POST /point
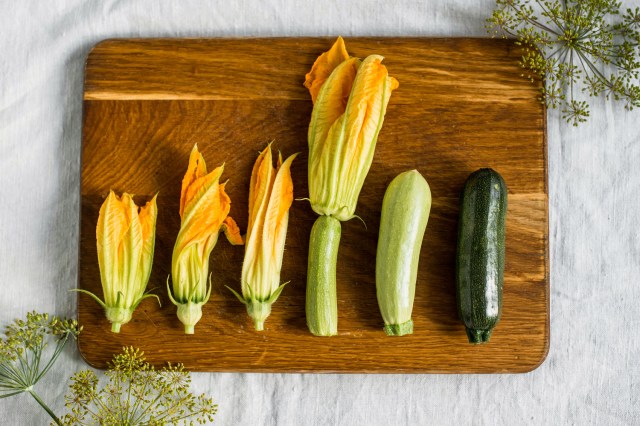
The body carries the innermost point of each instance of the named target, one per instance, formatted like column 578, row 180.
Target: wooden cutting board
column 462, row 104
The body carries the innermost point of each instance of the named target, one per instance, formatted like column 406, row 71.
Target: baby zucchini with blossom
column 125, row 237
column 270, row 197
column 350, row 99
column 204, row 211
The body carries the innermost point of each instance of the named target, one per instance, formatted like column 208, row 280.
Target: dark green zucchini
column 480, row 253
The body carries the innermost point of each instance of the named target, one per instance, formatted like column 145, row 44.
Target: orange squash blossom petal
column 232, row 232
column 324, row 66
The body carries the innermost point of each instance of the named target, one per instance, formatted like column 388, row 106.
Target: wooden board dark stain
column 461, row 105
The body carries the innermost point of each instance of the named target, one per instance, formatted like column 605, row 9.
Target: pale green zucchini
column 405, row 212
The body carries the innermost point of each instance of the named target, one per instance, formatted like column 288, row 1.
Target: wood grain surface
column 461, row 105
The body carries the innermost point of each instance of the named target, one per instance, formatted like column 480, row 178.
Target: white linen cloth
column 592, row 373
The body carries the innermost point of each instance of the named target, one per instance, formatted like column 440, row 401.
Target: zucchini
column 321, row 304
column 480, row 253
column 405, row 212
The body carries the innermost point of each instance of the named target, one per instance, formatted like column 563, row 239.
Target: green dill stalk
column 578, row 48
column 25, row 356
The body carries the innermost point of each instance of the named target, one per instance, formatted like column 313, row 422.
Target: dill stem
column 45, row 406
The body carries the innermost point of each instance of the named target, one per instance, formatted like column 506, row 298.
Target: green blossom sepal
column 258, row 310
column 119, row 314
column 190, row 311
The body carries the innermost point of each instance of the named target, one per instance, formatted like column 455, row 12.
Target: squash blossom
column 204, row 211
column 125, row 238
column 350, row 98
column 270, row 197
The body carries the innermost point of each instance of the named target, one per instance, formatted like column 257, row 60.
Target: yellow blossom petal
column 262, row 177
column 196, row 170
column 324, row 66
column 277, row 217
column 113, row 224
column 206, row 206
column 332, row 102
column 232, row 232
column 131, row 248
column 148, row 216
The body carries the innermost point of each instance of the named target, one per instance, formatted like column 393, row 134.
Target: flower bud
column 350, row 100
column 204, row 211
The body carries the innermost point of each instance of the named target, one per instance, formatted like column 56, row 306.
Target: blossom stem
column 259, row 311
column 189, row 314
